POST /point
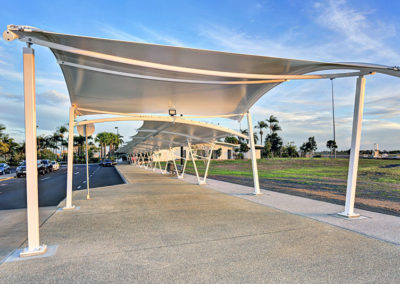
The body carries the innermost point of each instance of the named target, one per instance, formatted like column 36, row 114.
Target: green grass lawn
column 303, row 169
column 378, row 183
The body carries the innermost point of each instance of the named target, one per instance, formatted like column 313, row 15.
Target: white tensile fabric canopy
column 128, row 78
column 162, row 135
column 105, row 76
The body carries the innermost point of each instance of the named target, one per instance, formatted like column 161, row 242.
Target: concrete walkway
column 375, row 225
column 160, row 229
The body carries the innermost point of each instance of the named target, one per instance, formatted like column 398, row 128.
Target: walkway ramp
column 161, row 229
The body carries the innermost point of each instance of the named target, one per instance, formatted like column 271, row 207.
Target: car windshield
column 2, row 165
column 53, row 162
column 22, row 164
column 107, row 160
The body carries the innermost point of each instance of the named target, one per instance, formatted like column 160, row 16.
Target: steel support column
column 253, row 155
column 32, row 201
column 87, row 164
column 355, row 149
column 68, row 203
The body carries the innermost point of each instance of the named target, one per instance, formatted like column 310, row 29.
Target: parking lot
column 52, row 186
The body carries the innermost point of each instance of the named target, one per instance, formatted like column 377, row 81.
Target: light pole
column 333, row 119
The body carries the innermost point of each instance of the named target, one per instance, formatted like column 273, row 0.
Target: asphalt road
column 52, row 186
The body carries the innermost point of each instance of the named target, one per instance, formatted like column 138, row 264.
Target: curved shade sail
column 161, row 135
column 127, row 77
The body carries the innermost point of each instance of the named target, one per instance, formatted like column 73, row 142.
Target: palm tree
column 4, row 147
column 102, row 139
column 255, row 138
column 62, row 130
column 261, row 125
column 244, row 132
column 273, row 124
column 55, row 139
column 2, row 128
column 79, row 141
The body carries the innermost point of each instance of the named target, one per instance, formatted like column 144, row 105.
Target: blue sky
column 359, row 31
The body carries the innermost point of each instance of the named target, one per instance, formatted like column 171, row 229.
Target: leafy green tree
column 310, row 146
column 231, row 140
column 290, row 150
column 332, row 146
column 244, row 148
column 275, row 143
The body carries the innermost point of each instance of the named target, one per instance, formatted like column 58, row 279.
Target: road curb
column 7, row 178
column 121, row 175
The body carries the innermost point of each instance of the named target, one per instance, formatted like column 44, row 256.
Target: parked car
column 48, row 165
column 21, row 169
column 41, row 167
column 106, row 163
column 56, row 165
column 4, row 169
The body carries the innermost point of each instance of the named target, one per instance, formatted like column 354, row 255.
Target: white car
column 55, row 165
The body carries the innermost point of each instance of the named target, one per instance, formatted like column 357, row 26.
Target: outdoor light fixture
column 172, row 112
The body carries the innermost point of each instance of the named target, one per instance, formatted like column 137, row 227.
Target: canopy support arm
column 253, row 155
column 193, row 156
column 208, row 164
column 194, row 161
column 184, row 165
column 174, row 161
column 355, row 149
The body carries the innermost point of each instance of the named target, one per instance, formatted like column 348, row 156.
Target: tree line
column 273, row 143
column 55, row 145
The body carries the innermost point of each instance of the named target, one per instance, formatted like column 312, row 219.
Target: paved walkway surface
column 13, row 228
column 375, row 225
column 160, row 229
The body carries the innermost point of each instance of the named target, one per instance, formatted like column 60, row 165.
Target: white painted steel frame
column 87, row 164
column 32, row 199
column 70, row 165
column 253, row 155
column 355, row 149
column 193, row 157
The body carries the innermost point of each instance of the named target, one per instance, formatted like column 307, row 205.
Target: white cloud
column 52, row 97
column 357, row 30
column 120, row 34
column 155, row 36
column 147, row 35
